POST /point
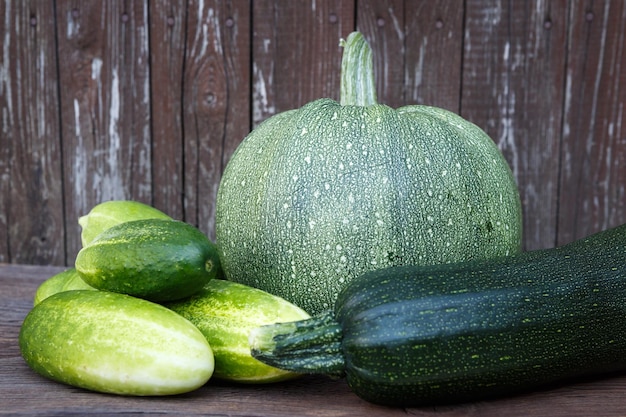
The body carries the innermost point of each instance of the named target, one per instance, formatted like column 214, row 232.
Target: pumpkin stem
column 357, row 72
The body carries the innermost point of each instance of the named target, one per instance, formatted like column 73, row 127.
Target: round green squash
column 316, row 196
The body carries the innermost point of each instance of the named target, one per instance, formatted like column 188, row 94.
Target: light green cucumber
column 156, row 259
column 63, row 281
column 115, row 343
column 111, row 213
column 226, row 312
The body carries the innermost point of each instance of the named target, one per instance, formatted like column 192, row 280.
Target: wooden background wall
column 147, row 99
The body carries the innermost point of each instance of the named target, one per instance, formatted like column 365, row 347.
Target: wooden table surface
column 23, row 392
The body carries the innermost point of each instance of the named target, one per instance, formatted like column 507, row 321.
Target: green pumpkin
column 317, row 196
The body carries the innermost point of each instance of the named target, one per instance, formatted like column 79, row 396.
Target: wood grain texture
column 514, row 56
column 147, row 100
column 32, row 228
column 418, row 50
column 105, row 106
column 215, row 100
column 168, row 21
column 434, row 53
column 25, row 393
column 592, row 192
column 383, row 25
column 296, row 53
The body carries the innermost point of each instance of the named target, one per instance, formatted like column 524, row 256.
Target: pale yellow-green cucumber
column 115, row 343
column 110, row 213
column 63, row 281
column 226, row 312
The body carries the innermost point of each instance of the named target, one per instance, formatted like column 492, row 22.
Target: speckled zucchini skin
column 460, row 332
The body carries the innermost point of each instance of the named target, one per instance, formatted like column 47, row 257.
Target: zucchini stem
column 310, row 346
column 357, row 72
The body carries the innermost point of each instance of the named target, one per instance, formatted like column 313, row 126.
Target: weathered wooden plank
column 296, row 53
column 31, row 206
column 514, row 56
column 238, row 48
column 418, row 48
column 216, row 101
column 168, row 21
column 5, row 136
column 544, row 78
column 434, row 50
column 6, row 86
column 105, row 106
column 593, row 174
column 383, row 25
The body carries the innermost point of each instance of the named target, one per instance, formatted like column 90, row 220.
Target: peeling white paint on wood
column 419, row 71
column 207, row 33
column 113, row 186
column 5, row 79
column 262, row 107
column 73, row 25
column 79, row 166
column 599, row 72
column 398, row 25
column 96, row 69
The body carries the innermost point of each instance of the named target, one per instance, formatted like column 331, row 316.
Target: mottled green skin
column 110, row 213
column 114, row 343
column 226, row 312
column 317, row 196
column 63, row 281
column 463, row 332
column 156, row 259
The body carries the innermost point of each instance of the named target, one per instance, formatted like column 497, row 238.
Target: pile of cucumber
column 143, row 312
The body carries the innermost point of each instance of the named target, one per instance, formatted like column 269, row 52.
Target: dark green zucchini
column 409, row 335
